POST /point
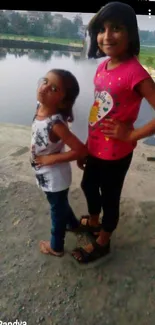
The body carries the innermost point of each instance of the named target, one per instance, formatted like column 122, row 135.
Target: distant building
column 33, row 16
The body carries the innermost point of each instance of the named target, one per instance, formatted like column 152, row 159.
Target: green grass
column 147, row 56
column 40, row 39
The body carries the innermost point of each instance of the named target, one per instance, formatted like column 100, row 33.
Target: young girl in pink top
column 120, row 85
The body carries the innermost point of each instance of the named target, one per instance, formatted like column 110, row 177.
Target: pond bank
column 32, row 44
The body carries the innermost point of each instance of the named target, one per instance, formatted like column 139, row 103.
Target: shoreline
column 34, row 44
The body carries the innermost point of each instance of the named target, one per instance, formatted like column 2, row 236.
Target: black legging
column 102, row 185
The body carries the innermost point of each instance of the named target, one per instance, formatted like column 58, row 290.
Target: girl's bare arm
column 77, row 148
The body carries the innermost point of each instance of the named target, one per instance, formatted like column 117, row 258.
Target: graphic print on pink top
column 115, row 97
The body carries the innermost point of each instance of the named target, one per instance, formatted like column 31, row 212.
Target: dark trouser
column 102, row 185
column 61, row 215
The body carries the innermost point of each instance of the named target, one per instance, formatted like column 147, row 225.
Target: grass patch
column 147, row 56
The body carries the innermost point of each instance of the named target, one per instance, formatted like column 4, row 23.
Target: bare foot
column 45, row 248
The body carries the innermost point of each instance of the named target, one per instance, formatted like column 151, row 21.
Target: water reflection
column 38, row 55
column 3, row 53
column 20, row 71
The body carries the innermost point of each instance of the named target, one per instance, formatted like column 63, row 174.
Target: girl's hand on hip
column 44, row 160
column 81, row 163
column 117, row 130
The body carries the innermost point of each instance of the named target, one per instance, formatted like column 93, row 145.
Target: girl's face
column 113, row 39
column 50, row 91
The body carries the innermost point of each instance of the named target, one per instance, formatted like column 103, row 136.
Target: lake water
column 20, row 71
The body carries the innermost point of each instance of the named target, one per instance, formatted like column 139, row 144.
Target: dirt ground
column 40, row 289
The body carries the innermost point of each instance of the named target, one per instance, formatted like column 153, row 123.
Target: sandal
column 98, row 252
column 91, row 230
column 87, row 227
column 74, row 230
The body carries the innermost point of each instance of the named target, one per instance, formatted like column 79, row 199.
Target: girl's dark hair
column 118, row 12
column 72, row 89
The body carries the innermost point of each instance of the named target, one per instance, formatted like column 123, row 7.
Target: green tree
column 78, row 21
column 3, row 23
column 36, row 28
column 47, row 24
column 48, row 18
column 66, row 29
column 18, row 24
column 144, row 35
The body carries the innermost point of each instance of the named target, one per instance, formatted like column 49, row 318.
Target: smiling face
column 50, row 91
column 113, row 39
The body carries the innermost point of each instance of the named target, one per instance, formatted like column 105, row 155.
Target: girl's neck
column 45, row 111
column 115, row 61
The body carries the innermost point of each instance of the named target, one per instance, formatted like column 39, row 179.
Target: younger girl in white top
column 56, row 95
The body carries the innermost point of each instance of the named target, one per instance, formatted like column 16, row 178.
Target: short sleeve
column 56, row 119
column 99, row 69
column 137, row 74
column 38, row 104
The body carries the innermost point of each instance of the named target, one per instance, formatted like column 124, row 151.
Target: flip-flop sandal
column 71, row 229
column 91, row 230
column 97, row 253
column 74, row 230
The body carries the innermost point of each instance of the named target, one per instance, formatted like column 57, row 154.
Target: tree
column 144, row 34
column 18, row 24
column 67, row 29
column 78, row 21
column 12, row 22
column 48, row 18
column 3, row 23
column 36, row 28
